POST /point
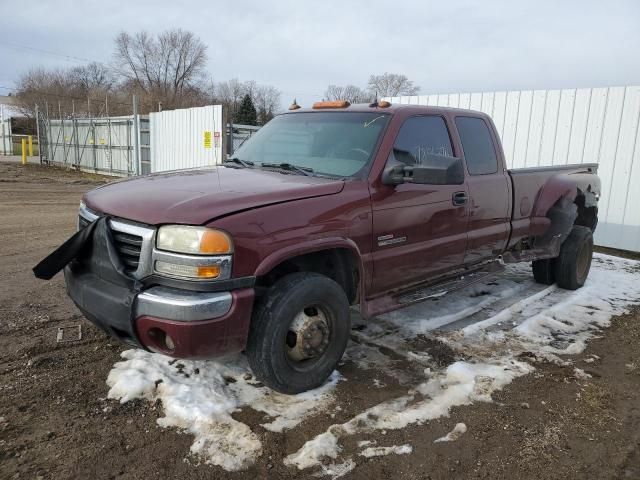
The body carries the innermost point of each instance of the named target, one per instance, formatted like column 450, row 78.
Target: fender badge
column 385, row 240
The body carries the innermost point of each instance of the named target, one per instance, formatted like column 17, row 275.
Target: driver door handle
column 460, row 198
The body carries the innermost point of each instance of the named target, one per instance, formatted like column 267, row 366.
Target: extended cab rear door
column 489, row 188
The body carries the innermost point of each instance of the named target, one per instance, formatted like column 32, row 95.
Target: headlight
column 195, row 253
column 193, row 240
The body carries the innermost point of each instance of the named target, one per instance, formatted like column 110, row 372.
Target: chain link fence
column 110, row 145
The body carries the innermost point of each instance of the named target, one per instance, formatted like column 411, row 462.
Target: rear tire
column 544, row 271
column 299, row 332
column 574, row 262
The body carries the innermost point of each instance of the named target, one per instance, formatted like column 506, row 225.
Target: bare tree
column 391, row 85
column 231, row 92
column 92, row 77
column 350, row 93
column 39, row 86
column 77, row 90
column 267, row 102
column 167, row 68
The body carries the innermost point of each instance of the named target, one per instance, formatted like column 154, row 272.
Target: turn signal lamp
column 188, row 271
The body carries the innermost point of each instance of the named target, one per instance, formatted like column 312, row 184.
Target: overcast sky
column 302, row 46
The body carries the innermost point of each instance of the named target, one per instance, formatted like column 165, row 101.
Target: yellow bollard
column 24, row 151
column 31, row 145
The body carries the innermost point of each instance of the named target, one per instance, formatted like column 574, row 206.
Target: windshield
column 331, row 143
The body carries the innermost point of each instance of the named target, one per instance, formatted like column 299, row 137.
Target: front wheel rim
column 308, row 337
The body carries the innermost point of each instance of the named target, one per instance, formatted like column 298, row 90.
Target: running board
column 456, row 283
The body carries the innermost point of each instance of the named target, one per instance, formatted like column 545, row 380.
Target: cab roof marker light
column 333, row 104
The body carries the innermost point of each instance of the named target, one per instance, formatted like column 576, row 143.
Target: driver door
column 419, row 231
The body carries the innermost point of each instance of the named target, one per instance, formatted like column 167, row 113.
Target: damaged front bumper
column 177, row 322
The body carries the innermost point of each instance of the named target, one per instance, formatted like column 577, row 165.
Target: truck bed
column 536, row 189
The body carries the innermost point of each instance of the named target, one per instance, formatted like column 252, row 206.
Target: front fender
column 316, row 245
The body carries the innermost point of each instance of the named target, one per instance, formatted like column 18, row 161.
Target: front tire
column 574, row 262
column 299, row 332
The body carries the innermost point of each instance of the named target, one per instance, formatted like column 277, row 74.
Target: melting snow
column 336, row 470
column 200, row 396
column 581, row 374
column 492, row 323
column 454, row 434
column 380, row 451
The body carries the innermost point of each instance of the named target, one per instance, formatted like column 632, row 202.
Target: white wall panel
column 6, row 142
column 559, row 127
column 186, row 138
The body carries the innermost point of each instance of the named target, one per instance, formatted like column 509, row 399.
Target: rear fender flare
column 556, row 188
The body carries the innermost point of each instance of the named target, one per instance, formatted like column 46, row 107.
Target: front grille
column 128, row 247
column 127, row 242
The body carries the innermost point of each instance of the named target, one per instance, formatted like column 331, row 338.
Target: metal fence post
column 136, row 136
column 4, row 149
column 77, row 141
column 94, row 145
column 109, row 155
column 38, row 134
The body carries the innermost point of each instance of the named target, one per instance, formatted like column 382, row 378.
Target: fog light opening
column 161, row 339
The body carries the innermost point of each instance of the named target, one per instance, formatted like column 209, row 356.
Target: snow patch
column 580, row 374
column 336, row 470
column 200, row 396
column 380, row 451
column 378, row 383
column 454, row 434
column 462, row 383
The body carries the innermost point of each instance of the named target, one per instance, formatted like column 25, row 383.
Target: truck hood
column 197, row 196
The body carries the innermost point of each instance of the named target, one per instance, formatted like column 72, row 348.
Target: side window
column 477, row 143
column 420, row 137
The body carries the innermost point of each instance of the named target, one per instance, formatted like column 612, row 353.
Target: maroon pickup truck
column 371, row 206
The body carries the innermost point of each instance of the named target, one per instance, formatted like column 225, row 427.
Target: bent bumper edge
column 198, row 325
column 200, row 339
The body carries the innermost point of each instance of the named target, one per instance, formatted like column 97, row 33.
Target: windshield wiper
column 237, row 161
column 290, row 167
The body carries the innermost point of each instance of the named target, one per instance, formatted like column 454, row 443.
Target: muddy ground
column 56, row 423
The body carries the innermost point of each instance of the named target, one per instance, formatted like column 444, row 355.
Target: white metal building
column 557, row 127
column 186, row 138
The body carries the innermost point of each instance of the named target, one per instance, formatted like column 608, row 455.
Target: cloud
column 301, row 47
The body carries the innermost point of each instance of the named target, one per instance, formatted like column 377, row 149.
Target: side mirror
column 432, row 170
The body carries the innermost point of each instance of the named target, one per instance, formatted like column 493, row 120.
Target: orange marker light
column 212, row 271
column 335, row 104
column 214, row 241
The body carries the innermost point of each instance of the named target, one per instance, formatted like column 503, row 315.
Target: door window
column 477, row 144
column 422, row 137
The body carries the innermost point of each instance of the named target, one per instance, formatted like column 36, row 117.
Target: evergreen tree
column 247, row 114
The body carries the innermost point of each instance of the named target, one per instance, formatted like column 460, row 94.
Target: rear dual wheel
column 571, row 268
column 299, row 332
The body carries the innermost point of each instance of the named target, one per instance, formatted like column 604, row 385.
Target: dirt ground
column 56, row 423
